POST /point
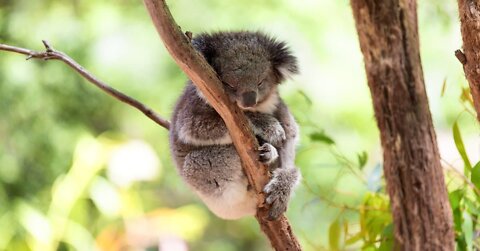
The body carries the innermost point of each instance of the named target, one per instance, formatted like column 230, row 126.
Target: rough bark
column 469, row 11
column 204, row 77
column 388, row 36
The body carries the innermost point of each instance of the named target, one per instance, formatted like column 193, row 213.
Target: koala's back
column 194, row 111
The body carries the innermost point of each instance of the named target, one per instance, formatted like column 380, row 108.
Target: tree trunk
column 388, row 35
column 469, row 11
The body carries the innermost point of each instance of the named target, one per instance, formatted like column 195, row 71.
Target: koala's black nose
column 249, row 99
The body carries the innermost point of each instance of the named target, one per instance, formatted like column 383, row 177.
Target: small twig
column 461, row 57
column 462, row 176
column 52, row 54
column 332, row 203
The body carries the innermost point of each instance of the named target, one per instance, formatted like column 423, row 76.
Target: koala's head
column 249, row 64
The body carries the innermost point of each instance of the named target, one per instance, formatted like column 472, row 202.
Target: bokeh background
column 81, row 171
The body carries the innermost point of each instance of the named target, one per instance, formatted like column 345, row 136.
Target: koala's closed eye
column 228, row 85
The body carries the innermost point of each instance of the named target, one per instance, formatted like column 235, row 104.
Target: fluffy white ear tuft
column 285, row 72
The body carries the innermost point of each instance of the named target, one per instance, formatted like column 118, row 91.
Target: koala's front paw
column 274, row 134
column 267, row 153
column 278, row 190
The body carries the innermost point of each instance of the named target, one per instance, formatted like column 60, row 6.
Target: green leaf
column 334, row 235
column 476, row 175
column 455, row 197
column 322, row 137
column 369, row 247
column 305, row 96
column 386, row 245
column 354, row 238
column 387, row 239
column 472, row 207
column 362, row 159
column 461, row 244
column 466, row 96
column 345, row 228
column 457, row 137
column 467, row 230
column 444, row 87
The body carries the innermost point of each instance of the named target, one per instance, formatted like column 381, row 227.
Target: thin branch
column 462, row 176
column 52, row 54
column 205, row 78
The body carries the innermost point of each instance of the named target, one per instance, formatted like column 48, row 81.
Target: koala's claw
column 267, row 153
column 278, row 205
column 277, row 199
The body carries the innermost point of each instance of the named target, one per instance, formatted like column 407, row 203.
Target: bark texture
column 205, row 78
column 469, row 11
column 388, row 35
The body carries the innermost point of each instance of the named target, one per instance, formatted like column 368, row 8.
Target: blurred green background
column 81, row 171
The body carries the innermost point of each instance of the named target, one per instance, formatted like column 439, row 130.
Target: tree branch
column 51, row 54
column 205, row 78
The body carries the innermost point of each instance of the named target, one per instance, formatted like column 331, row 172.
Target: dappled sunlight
column 127, row 162
column 133, row 161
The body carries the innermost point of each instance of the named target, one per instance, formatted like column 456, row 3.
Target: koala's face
column 250, row 65
column 246, row 73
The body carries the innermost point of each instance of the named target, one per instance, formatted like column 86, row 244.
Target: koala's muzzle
column 249, row 99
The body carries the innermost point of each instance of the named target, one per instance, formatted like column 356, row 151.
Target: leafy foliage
column 465, row 196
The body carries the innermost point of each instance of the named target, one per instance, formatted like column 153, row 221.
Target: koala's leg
column 216, row 174
column 286, row 177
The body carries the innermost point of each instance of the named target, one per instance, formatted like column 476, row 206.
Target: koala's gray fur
column 251, row 65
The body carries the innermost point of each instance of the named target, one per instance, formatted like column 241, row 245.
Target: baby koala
column 250, row 65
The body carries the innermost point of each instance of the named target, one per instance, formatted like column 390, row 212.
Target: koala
column 250, row 65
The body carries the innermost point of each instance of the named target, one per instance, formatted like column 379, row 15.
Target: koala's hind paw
column 278, row 190
column 267, row 153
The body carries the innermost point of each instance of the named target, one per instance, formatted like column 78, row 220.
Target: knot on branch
column 461, row 57
column 48, row 54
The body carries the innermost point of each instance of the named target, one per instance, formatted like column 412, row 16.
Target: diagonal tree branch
column 204, row 77
column 51, row 54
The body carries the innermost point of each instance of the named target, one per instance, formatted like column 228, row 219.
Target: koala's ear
column 284, row 63
column 204, row 43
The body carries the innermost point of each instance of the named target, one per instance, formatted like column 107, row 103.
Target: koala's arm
column 286, row 177
column 266, row 128
column 287, row 150
column 280, row 132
